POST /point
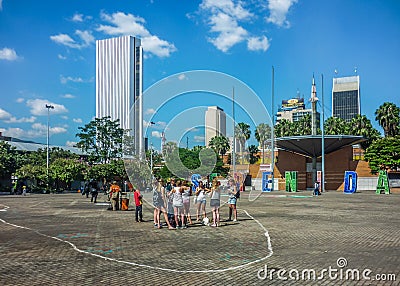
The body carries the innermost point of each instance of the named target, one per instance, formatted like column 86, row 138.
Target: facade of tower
column 346, row 97
column 215, row 120
column 119, row 84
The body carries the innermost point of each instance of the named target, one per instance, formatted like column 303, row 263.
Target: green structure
column 383, row 183
column 291, row 181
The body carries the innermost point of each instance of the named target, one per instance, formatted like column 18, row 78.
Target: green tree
column 253, row 150
column 384, row 154
column 262, row 134
column 8, row 159
column 242, row 134
column 102, row 139
column 63, row 171
column 284, row 128
column 360, row 125
column 335, row 126
column 303, row 126
column 388, row 116
column 220, row 144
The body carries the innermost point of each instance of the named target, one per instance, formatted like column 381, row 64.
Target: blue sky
column 47, row 55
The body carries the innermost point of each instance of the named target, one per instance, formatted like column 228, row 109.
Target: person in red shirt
column 139, row 204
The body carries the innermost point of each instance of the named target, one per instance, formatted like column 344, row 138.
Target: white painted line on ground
column 269, row 246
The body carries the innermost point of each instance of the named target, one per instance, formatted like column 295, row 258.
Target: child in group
column 201, row 200
column 215, row 201
column 232, row 192
column 159, row 204
column 177, row 202
column 187, row 192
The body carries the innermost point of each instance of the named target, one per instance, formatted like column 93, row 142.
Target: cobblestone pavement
column 63, row 239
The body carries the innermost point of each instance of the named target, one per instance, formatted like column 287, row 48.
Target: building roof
column 29, row 146
column 311, row 145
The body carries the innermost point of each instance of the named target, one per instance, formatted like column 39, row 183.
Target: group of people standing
column 172, row 200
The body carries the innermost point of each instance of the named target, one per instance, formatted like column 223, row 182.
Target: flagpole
column 273, row 131
column 234, row 135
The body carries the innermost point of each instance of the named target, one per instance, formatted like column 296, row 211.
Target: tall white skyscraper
column 119, row 84
column 215, row 120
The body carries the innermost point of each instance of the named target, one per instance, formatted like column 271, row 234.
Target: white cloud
column 258, row 43
column 13, row 119
column 64, row 117
column 227, row 20
column 38, row 107
column 8, row 54
column 4, row 114
column 37, row 130
column 223, row 17
column 150, row 111
column 61, row 57
column 86, row 38
column 68, row 95
column 71, row 143
column 64, row 79
column 198, row 138
column 128, row 24
column 20, row 100
column 182, row 76
column 1, row 5
column 227, row 7
column 77, row 120
column 77, row 17
column 156, row 134
column 278, row 10
column 229, row 32
column 8, row 118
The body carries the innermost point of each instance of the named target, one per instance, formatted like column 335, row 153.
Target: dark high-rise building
column 346, row 97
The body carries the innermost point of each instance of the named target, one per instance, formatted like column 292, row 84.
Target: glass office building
column 346, row 97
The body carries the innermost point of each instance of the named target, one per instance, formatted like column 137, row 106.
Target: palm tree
column 253, row 150
column 389, row 119
column 262, row 134
column 303, row 126
column 220, row 144
column 242, row 133
column 284, row 128
column 335, row 126
column 361, row 126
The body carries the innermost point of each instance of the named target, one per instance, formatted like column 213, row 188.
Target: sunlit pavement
column 63, row 239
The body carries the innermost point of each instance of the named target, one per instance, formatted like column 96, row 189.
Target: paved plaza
column 63, row 239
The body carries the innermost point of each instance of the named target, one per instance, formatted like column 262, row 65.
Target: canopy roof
column 311, row 145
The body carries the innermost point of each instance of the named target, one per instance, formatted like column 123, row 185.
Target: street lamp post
column 49, row 106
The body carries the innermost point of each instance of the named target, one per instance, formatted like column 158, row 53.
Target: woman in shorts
column 177, row 202
column 215, row 201
column 187, row 192
column 201, row 200
column 232, row 191
column 159, row 204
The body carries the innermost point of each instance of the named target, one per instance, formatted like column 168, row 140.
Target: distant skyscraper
column 119, row 84
column 215, row 120
column 346, row 97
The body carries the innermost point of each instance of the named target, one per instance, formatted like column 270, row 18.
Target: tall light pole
column 49, row 106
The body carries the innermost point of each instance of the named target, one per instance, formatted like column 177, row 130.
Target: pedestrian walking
column 115, row 191
column 139, row 206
